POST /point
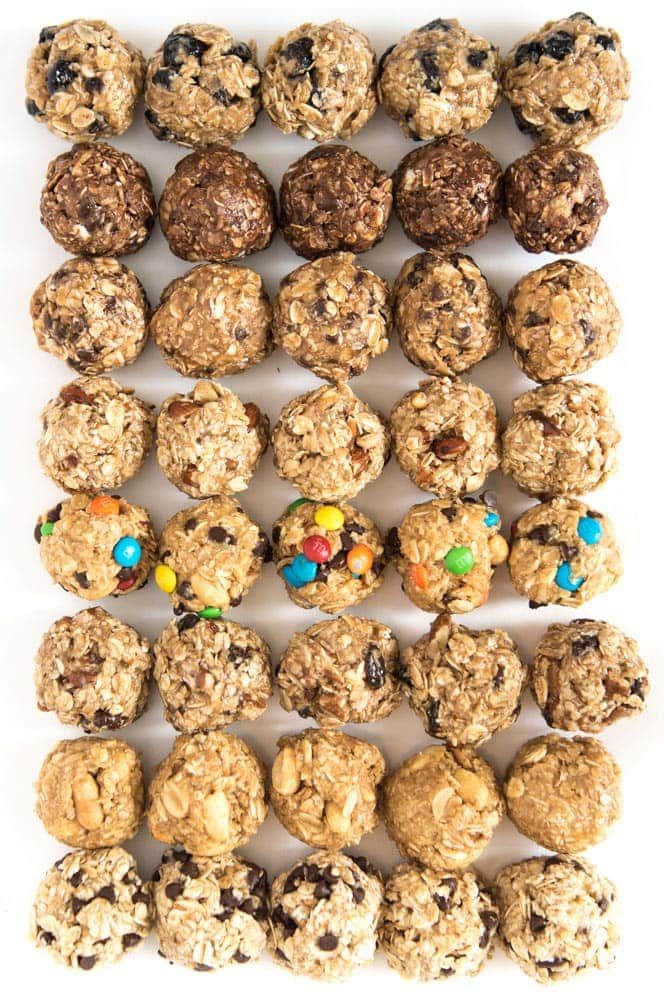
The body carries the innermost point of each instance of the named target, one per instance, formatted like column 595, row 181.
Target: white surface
column 626, row 252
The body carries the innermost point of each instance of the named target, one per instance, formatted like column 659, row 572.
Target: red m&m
column 317, row 548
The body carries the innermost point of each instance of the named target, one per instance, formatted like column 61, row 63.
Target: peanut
column 175, row 798
column 85, row 794
column 285, row 777
column 216, row 816
column 471, row 788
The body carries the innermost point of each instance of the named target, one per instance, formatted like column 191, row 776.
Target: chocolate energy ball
column 98, row 201
column 319, row 80
column 333, row 316
column 333, row 198
column 83, row 80
column 202, row 87
column 567, row 82
column 217, row 205
column 448, row 193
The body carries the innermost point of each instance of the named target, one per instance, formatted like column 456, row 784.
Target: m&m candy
column 46, row 529
column 165, row 578
column 127, row 551
column 419, row 575
column 589, row 529
column 317, row 549
column 459, row 560
column 565, row 579
column 330, row 518
column 210, row 613
column 104, row 506
column 492, row 519
column 297, row 503
column 360, row 559
column 300, row 572
column 126, row 584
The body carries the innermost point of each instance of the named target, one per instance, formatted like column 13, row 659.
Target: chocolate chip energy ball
column 83, row 80
column 202, row 87
column 98, row 201
column 217, row 205
column 568, row 81
column 319, row 80
column 93, row 671
column 333, row 316
column 91, row 908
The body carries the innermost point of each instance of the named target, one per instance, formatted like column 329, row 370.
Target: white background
column 626, row 251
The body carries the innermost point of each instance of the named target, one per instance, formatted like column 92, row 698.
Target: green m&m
column 210, row 613
column 46, row 529
column 459, row 560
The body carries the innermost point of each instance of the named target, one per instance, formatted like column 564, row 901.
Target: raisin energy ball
column 98, row 201
column 333, row 198
column 90, row 792
column 567, row 82
column 341, row 670
column 319, row 80
column 91, row 908
column 202, row 87
column 93, row 671
column 209, row 441
column 324, row 915
column 333, row 316
column 208, row 794
column 84, row 80
column 97, row 546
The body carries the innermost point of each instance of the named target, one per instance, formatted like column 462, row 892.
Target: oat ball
column 97, row 546
column 560, row 320
column 202, row 87
column 563, row 552
column 436, row 924
column 208, row 794
column 211, row 673
column 333, row 316
column 441, row 807
column 209, row 441
column 91, row 908
column 90, row 792
column 448, row 193
column 319, row 81
column 567, row 82
column 93, row 671
column 217, row 205
column 341, row 670
column 333, row 198
column 98, row 201
column 587, row 675
column 324, row 915
column 83, row 80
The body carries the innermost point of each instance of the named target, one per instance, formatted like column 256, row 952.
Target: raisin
column 60, row 76
column 374, row 669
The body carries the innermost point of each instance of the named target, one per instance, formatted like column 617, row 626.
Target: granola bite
column 441, row 807
column 91, row 908
column 341, row 670
column 208, row 794
column 93, row 671
column 333, row 198
column 98, row 201
column 324, row 915
column 90, row 792
column 319, row 81
column 202, row 87
column 83, row 80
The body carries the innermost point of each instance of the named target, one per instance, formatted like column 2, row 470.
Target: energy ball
column 436, row 924
column 209, row 441
column 567, row 82
column 441, row 807
column 333, row 198
column 341, row 670
column 93, row 671
column 84, row 80
column 560, row 320
column 324, row 915
column 217, row 205
column 208, row 794
column 202, row 87
column 448, row 193
column 564, row 793
column 563, row 552
column 98, row 201
column 319, row 81
column 587, row 675
column 97, row 546
column 333, row 316
column 90, row 792
column 91, row 908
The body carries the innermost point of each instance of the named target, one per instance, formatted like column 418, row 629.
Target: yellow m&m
column 165, row 578
column 330, row 518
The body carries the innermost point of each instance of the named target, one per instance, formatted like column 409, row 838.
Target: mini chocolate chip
column 551, row 963
column 288, row 925
column 262, row 549
column 173, row 890
column 33, row 109
column 240, row 957
column 46, row 937
column 433, row 706
column 220, row 535
column 228, row 899
column 76, row 879
column 537, row 922
column 199, row 967
column 327, row 942
column 322, row 891
column 36, row 534
column 499, row 677
column 107, row 892
column 87, row 962
column 636, row 688
column 53, row 515
column 77, row 904
column 549, row 429
column 542, row 533
column 358, row 894
column 144, row 897
column 190, row 868
column 190, row 524
column 603, row 904
column 490, row 920
column 568, row 552
column 131, row 940
column 533, row 605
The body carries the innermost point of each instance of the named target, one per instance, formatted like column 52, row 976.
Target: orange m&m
column 360, row 559
column 419, row 575
column 103, row 506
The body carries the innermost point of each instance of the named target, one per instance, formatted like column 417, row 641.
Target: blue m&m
column 300, row 572
column 589, row 529
column 492, row 519
column 127, row 552
column 566, row 580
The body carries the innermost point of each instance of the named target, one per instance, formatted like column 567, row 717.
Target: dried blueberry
column 477, row 58
column 163, row 77
column 522, row 123
column 528, row 52
column 178, row 46
column 381, row 61
column 242, row 51
column 60, row 76
column 32, row 108
column 558, row 45
column 605, row 42
column 581, row 645
column 301, row 53
column 221, row 96
column 436, row 25
column 327, row 942
column 537, row 922
column 429, row 66
column 187, row 622
column 47, row 34
column 94, row 85
column 569, row 117
column 580, row 16
column 433, row 705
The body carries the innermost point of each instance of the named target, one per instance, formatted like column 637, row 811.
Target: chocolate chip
column 392, row 544
column 327, row 942
column 76, row 879
column 603, row 904
column 433, row 706
column 131, row 940
column 537, row 922
column 87, row 962
column 220, row 535
column 436, row 25
column 53, row 515
column 498, row 677
column 190, row 524
column 288, row 925
column 187, row 622
column 568, row 552
column 77, row 904
column 36, row 534
column 107, row 892
column 549, row 429
column 588, row 332
column 262, row 549
column 322, row 891
column 173, row 890
column 550, row 963
column 240, row 957
column 358, row 894
column 82, row 580
column 33, row 109
column 199, row 967
column 569, row 117
column 636, row 688
column 490, row 920
column 190, row 868
column 46, row 937
column 143, row 897
column 542, row 533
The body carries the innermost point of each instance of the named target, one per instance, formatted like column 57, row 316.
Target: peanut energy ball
column 90, row 792
column 98, row 201
column 83, row 80
column 93, row 671
column 333, row 316
column 319, row 80
column 202, row 87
